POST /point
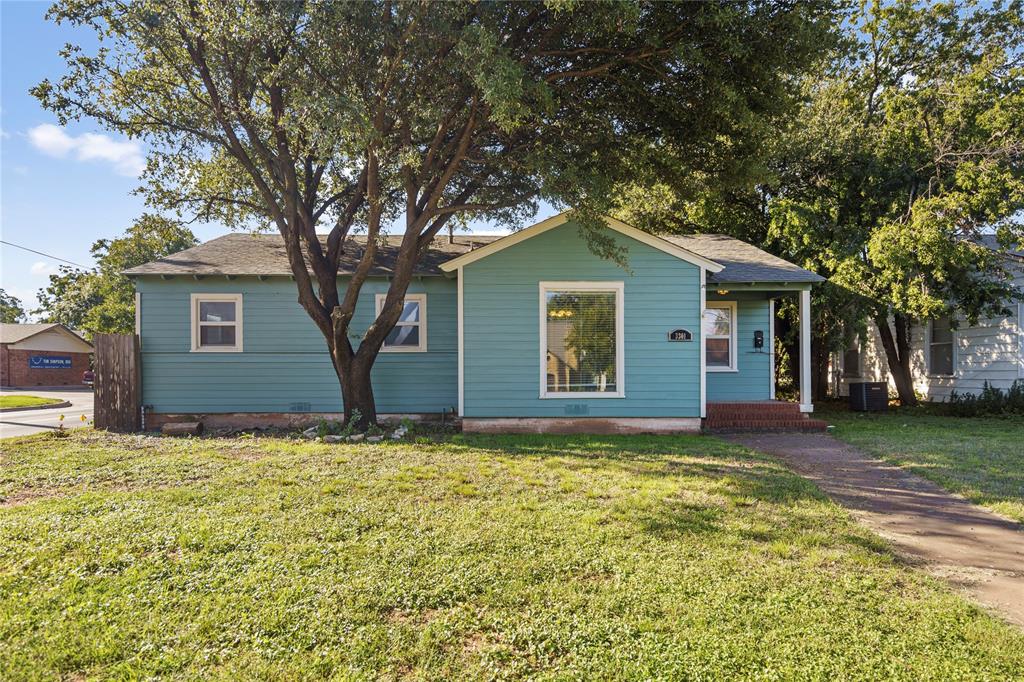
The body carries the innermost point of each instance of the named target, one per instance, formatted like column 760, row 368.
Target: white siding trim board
column 701, row 350
column 771, row 349
column 462, row 343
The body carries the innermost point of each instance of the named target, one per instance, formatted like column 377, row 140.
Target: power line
column 62, row 260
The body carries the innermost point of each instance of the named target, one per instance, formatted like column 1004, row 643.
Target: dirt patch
column 969, row 547
column 20, row 497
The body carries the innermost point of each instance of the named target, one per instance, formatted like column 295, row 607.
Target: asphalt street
column 25, row 422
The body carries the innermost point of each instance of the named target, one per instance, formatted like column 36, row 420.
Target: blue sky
column 60, row 189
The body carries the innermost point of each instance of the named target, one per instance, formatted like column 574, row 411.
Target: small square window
column 410, row 332
column 216, row 322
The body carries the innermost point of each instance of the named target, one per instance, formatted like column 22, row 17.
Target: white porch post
column 805, row 351
column 703, row 342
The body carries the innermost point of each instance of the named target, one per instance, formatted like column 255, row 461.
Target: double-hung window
column 581, row 336
column 940, row 347
column 719, row 330
column 410, row 332
column 217, row 323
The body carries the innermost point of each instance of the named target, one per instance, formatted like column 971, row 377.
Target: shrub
column 991, row 402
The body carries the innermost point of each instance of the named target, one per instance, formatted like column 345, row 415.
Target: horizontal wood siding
column 752, row 380
column 501, row 335
column 284, row 365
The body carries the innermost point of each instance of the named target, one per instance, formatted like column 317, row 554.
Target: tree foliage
column 11, row 309
column 102, row 300
column 909, row 150
column 907, row 147
column 355, row 116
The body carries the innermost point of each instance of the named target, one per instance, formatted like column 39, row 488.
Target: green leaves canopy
column 910, row 149
column 11, row 309
column 102, row 300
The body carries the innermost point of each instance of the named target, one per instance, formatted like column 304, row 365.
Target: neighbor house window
column 940, row 347
column 217, row 322
column 851, row 359
column 581, row 331
column 410, row 332
column 720, row 336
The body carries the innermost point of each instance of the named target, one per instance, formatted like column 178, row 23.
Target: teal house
column 526, row 332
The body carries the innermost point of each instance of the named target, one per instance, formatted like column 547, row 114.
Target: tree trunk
column 897, row 354
column 356, row 389
column 820, row 356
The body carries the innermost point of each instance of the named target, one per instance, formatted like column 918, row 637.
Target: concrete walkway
column 957, row 541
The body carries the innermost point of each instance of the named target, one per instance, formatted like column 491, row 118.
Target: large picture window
column 217, row 323
column 719, row 330
column 940, row 347
column 581, row 339
column 410, row 332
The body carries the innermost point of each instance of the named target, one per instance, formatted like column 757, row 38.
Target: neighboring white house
column 945, row 359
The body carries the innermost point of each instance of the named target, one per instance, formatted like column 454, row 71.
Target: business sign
column 49, row 362
column 680, row 335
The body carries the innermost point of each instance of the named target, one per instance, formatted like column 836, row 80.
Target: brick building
column 42, row 355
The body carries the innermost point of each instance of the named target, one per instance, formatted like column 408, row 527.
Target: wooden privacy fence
column 117, row 384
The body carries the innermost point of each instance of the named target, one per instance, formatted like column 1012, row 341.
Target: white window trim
column 928, row 350
column 618, row 287
column 422, row 324
column 731, row 305
column 234, row 298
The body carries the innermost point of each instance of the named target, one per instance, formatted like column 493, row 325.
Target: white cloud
column 126, row 156
column 43, row 269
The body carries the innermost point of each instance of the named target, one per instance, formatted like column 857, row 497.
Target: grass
column 979, row 458
column 25, row 401
column 485, row 557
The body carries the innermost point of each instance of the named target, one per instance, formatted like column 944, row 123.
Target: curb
column 35, row 407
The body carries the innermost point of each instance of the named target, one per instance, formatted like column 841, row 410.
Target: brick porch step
column 733, row 417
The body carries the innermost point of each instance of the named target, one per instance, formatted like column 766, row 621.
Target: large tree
column 102, row 300
column 354, row 116
column 910, row 149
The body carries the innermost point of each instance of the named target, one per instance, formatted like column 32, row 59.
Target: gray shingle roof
column 989, row 241
column 743, row 262
column 264, row 254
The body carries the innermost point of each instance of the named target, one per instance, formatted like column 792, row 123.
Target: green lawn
column 982, row 459
column 25, row 401
column 543, row 557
